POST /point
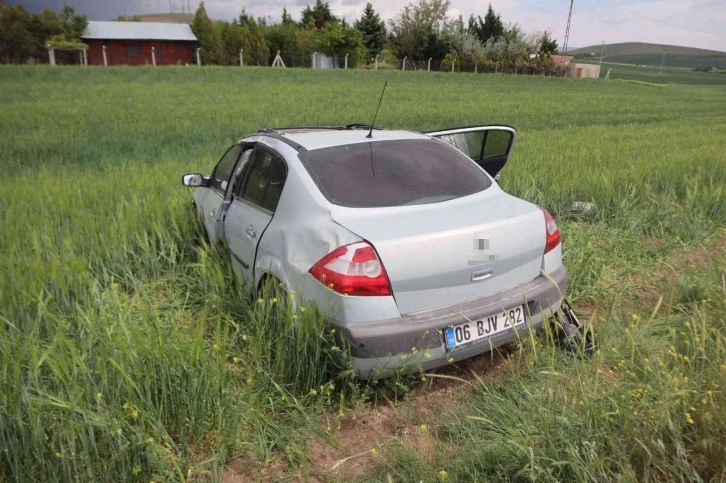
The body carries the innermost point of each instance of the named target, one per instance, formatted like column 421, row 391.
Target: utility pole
column 602, row 50
column 567, row 32
column 662, row 61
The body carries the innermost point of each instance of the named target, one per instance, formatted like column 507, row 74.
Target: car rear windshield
column 393, row 173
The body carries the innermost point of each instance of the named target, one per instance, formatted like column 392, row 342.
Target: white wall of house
column 322, row 61
column 584, row 71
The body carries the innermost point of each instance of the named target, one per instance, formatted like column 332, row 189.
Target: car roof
column 310, row 138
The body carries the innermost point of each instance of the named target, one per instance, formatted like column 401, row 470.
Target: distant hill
column 642, row 48
column 642, row 53
column 172, row 17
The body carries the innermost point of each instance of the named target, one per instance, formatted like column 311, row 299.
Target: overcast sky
column 693, row 23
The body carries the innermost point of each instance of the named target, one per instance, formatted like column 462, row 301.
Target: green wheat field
column 128, row 352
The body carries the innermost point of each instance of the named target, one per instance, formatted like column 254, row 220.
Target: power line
column 625, row 14
column 680, row 26
column 635, row 14
column 567, row 32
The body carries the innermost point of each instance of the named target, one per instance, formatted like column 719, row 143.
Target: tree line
column 418, row 32
column 24, row 36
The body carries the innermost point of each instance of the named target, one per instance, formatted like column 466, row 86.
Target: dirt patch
column 352, row 449
column 651, row 286
column 238, row 471
column 653, row 242
column 246, row 469
column 356, row 447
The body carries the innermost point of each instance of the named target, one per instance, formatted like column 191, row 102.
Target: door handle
column 250, row 230
column 481, row 275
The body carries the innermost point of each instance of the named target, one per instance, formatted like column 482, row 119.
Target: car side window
column 497, row 143
column 238, row 175
column 223, row 171
column 469, row 143
column 266, row 179
column 480, row 145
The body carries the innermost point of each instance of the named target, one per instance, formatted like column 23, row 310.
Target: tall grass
column 127, row 347
column 649, row 406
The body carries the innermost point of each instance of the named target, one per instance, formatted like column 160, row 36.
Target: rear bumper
column 415, row 341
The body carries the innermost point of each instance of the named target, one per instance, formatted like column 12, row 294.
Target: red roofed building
column 139, row 43
column 562, row 59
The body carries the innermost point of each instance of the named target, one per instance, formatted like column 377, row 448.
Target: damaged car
column 404, row 241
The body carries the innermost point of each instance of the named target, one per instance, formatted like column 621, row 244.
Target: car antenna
column 370, row 133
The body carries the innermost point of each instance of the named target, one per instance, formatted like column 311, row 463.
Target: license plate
column 485, row 327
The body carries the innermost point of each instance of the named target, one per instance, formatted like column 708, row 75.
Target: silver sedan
column 403, row 240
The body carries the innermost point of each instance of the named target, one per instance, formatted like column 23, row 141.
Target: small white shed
column 322, row 61
column 584, row 70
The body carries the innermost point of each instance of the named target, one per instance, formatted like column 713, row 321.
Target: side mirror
column 193, row 180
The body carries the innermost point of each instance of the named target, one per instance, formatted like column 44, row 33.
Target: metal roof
column 138, row 31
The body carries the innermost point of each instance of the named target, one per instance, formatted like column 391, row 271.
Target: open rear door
column 489, row 146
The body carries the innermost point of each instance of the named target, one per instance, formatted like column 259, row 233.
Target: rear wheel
column 272, row 288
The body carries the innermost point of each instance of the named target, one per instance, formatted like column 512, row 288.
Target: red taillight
column 353, row 270
column 553, row 233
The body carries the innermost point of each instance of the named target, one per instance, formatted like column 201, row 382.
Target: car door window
column 266, row 179
column 238, row 175
column 469, row 143
column 489, row 146
column 223, row 171
column 497, row 143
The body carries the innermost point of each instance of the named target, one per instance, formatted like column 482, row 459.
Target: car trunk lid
column 439, row 254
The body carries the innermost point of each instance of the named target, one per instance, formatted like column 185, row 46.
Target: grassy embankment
column 126, row 350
